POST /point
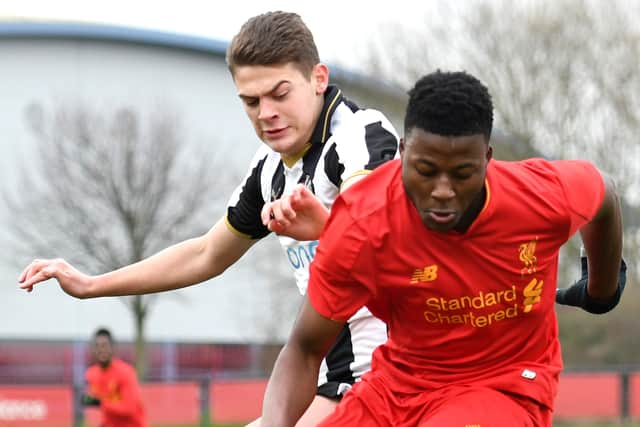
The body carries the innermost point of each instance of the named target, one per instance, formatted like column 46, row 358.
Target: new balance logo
column 532, row 293
column 427, row 274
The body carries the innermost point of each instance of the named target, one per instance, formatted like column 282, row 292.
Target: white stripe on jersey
column 367, row 333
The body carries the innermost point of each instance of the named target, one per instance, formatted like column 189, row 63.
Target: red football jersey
column 119, row 393
column 462, row 308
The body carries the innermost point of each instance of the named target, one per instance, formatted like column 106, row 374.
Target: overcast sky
column 341, row 28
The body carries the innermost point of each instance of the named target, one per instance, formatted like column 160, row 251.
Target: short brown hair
column 274, row 38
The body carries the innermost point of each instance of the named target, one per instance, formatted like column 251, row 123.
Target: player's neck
column 472, row 212
column 105, row 365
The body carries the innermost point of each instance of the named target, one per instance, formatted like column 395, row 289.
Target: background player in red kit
column 113, row 386
column 458, row 254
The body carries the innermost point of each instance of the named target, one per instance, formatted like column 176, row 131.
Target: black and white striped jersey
column 347, row 141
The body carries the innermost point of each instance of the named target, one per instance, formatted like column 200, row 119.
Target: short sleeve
column 342, row 274
column 362, row 143
column 583, row 190
column 246, row 202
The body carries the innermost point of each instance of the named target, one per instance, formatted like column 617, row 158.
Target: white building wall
column 106, row 75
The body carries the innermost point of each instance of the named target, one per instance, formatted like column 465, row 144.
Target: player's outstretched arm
column 299, row 215
column 293, row 382
column 603, row 271
column 189, row 262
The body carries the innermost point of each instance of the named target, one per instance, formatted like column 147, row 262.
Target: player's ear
column 320, row 78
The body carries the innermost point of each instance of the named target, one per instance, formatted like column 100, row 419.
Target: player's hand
column 577, row 294
column 72, row 281
column 88, row 400
column 299, row 215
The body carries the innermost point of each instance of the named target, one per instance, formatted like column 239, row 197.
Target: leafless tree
column 563, row 75
column 107, row 190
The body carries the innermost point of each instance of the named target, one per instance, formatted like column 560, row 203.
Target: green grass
column 564, row 424
column 585, row 424
column 198, row 425
column 555, row 424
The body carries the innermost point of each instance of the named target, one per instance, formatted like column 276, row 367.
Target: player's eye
column 461, row 176
column 428, row 173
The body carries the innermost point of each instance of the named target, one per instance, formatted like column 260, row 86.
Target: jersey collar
column 322, row 132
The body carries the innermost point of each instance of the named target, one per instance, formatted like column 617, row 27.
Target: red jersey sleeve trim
column 340, row 276
column 321, row 305
column 334, row 290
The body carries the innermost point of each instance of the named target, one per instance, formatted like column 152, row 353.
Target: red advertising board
column 236, row 401
column 165, row 403
column 634, row 396
column 588, row 395
column 580, row 396
column 36, row 406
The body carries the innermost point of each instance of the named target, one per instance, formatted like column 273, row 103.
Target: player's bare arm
column 189, row 262
column 602, row 239
column 288, row 395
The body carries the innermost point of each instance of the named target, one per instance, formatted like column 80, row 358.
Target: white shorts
column 350, row 356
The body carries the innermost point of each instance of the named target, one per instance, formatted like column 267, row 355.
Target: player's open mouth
column 275, row 133
column 442, row 217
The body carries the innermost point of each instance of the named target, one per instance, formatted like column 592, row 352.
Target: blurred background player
column 313, row 135
column 112, row 386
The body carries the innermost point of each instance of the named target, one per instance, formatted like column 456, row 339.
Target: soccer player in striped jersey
column 313, row 136
column 458, row 254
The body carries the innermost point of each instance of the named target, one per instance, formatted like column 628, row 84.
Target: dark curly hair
column 450, row 104
column 103, row 332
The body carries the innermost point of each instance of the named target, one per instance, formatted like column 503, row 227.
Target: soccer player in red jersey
column 113, row 386
column 458, row 254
